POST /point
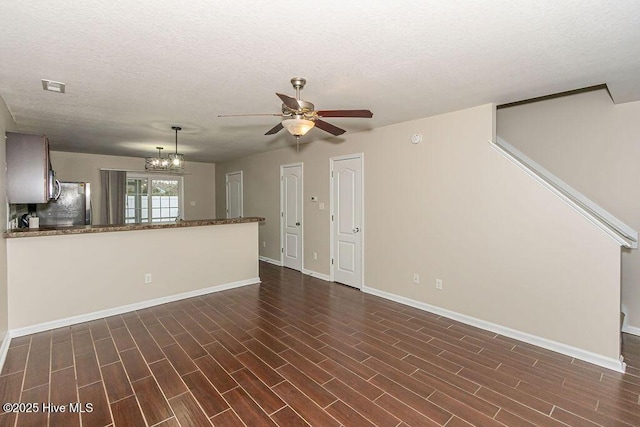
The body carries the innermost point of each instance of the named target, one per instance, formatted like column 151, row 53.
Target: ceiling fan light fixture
column 298, row 127
column 299, row 116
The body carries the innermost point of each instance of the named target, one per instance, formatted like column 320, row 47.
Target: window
column 152, row 198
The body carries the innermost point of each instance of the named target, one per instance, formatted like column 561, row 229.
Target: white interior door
column 234, row 194
column 291, row 215
column 347, row 219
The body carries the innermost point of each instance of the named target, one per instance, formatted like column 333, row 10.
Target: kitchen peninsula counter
column 83, row 229
column 88, row 272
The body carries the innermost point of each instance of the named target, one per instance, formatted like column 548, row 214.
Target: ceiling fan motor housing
column 305, row 108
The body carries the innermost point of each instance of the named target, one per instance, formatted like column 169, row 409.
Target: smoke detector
column 52, row 86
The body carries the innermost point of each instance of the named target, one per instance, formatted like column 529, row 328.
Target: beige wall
column 508, row 251
column 6, row 125
column 56, row 277
column 594, row 146
column 199, row 179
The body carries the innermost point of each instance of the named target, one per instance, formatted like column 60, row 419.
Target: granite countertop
column 83, row 229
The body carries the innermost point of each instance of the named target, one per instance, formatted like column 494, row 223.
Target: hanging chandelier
column 173, row 163
column 156, row 163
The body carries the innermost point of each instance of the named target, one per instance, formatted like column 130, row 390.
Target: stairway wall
column 593, row 145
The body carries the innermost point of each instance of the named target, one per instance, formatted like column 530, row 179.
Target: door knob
column 297, row 223
column 356, row 230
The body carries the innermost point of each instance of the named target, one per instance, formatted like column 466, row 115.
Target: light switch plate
column 321, row 206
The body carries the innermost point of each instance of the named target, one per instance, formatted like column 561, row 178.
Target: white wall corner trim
column 270, row 260
column 127, row 308
column 4, row 348
column 587, row 356
column 321, row 276
column 631, row 330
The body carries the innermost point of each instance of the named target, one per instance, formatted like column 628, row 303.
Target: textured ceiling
column 135, row 68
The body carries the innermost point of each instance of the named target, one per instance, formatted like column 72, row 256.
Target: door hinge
column 331, row 174
column 331, row 261
column 282, row 214
column 282, row 250
column 331, row 217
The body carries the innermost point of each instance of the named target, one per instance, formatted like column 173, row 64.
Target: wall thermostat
column 416, row 138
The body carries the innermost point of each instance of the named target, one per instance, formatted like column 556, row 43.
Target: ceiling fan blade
column 248, row 115
column 289, row 101
column 328, row 127
column 277, row 128
column 345, row 113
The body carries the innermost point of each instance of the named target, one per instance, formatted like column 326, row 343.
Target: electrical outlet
column 321, row 206
column 416, row 278
column 147, row 278
column 264, row 244
column 315, row 255
column 439, row 284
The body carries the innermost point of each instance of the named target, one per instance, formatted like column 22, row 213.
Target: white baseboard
column 270, row 260
column 27, row 330
column 312, row 273
column 597, row 359
column 4, row 348
column 631, row 330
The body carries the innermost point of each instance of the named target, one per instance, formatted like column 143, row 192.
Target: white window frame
column 151, row 176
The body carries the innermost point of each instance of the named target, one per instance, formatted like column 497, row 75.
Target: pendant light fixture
column 156, row 163
column 174, row 163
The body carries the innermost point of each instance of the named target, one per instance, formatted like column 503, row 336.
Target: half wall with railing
column 620, row 232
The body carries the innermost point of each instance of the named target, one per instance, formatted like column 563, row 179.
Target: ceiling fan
column 299, row 116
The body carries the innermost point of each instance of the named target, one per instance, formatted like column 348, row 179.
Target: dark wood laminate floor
column 298, row 351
